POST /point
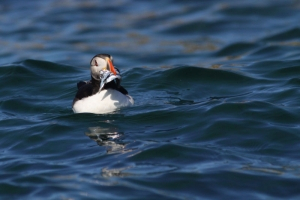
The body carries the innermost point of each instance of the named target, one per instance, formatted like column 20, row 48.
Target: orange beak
column 111, row 67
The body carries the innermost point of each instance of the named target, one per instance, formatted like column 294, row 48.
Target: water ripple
column 216, row 91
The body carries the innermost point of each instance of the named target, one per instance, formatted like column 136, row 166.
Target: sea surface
column 216, row 86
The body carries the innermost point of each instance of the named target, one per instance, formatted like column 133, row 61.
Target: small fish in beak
column 108, row 76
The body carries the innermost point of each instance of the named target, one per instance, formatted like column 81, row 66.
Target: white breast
column 103, row 102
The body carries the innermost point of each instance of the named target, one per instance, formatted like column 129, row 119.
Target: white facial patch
column 97, row 64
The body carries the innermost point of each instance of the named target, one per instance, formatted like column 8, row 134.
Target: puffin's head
column 102, row 62
column 102, row 69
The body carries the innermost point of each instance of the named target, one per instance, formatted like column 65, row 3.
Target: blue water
column 216, row 88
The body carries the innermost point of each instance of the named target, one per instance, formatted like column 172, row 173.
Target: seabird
column 103, row 93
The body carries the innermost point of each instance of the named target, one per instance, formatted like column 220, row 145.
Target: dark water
column 216, row 87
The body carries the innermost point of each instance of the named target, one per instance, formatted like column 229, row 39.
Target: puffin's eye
column 96, row 63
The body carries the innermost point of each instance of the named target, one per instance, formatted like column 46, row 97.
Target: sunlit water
column 216, row 88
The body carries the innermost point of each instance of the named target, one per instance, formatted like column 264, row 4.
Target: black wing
column 82, row 83
column 84, row 90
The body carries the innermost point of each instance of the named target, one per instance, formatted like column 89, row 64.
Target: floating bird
column 103, row 93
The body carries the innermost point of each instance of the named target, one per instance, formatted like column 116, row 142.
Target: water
column 216, row 89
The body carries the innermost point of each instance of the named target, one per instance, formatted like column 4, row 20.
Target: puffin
column 103, row 93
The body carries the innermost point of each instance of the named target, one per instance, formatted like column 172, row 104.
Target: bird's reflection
column 107, row 137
